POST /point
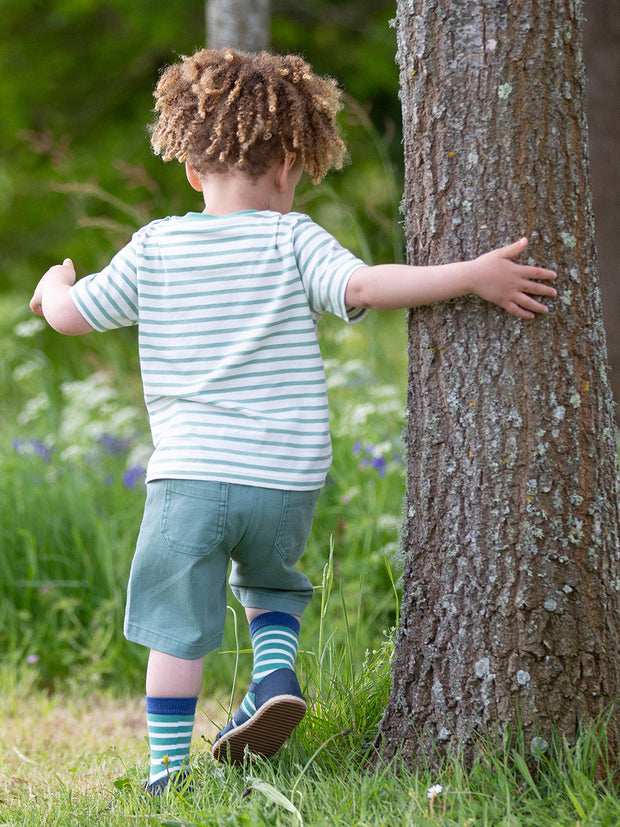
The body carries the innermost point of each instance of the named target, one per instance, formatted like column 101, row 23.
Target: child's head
column 226, row 110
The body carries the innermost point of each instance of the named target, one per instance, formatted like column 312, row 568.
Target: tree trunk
column 240, row 24
column 511, row 611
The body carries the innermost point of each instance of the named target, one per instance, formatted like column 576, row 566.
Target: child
column 226, row 302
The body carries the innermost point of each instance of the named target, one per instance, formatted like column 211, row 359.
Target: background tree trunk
column 241, row 24
column 510, row 611
column 602, row 59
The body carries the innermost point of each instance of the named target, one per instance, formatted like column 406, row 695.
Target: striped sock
column 169, row 722
column 275, row 638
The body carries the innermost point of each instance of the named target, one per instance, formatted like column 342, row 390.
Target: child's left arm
column 492, row 276
column 52, row 300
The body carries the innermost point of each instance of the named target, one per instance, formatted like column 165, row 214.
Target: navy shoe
column 177, row 781
column 280, row 706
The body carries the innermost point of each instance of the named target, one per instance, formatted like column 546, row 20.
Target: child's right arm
column 52, row 300
column 492, row 276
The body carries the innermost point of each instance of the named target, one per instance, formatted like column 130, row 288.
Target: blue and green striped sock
column 170, row 722
column 275, row 639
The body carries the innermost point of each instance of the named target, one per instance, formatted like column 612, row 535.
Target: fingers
column 35, row 306
column 538, row 273
column 513, row 249
column 539, row 289
column 514, row 309
column 57, row 275
column 525, row 307
column 523, row 282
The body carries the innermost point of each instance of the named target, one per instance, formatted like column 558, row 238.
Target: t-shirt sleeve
column 109, row 299
column 326, row 267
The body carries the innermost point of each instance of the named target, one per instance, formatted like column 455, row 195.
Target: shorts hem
column 256, row 599
column 171, row 646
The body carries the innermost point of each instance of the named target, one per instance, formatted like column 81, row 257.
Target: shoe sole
column 265, row 732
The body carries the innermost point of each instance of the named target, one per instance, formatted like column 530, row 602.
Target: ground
column 84, row 744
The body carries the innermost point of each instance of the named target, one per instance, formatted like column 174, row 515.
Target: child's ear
column 283, row 170
column 193, row 178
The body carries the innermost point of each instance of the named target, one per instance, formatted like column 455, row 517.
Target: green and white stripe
column 170, row 740
column 232, row 372
column 275, row 640
column 274, row 648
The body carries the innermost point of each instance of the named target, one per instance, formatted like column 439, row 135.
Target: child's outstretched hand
column 52, row 300
column 59, row 274
column 502, row 281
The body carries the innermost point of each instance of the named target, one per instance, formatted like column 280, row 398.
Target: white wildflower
column 139, row 455
column 28, row 328
column 434, row 791
column 34, row 407
column 22, row 372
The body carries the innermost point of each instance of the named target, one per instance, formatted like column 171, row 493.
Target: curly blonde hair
column 224, row 109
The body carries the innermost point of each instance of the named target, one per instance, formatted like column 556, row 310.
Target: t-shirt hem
column 277, row 484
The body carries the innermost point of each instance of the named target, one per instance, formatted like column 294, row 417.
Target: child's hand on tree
column 498, row 279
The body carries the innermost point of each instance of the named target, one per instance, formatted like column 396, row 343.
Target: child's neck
column 231, row 192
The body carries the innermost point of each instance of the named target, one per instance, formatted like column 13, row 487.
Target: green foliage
column 76, row 78
column 75, row 95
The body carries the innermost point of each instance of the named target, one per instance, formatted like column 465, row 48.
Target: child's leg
column 263, row 578
column 169, row 676
column 274, row 704
column 172, row 688
column 275, row 640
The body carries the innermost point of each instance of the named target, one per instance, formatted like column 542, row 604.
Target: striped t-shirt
column 226, row 308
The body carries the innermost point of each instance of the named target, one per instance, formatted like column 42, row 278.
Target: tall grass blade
column 274, row 795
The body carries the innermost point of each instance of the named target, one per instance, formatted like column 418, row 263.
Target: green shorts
column 190, row 532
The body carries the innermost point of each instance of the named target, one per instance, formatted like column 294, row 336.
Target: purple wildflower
column 380, row 465
column 114, row 444
column 32, row 446
column 133, row 476
column 42, row 450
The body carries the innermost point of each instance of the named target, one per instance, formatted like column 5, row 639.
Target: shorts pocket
column 295, row 524
column 193, row 519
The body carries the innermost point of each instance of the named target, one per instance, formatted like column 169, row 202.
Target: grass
column 69, row 761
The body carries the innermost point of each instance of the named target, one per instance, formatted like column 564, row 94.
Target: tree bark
column 240, row 24
column 510, row 612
